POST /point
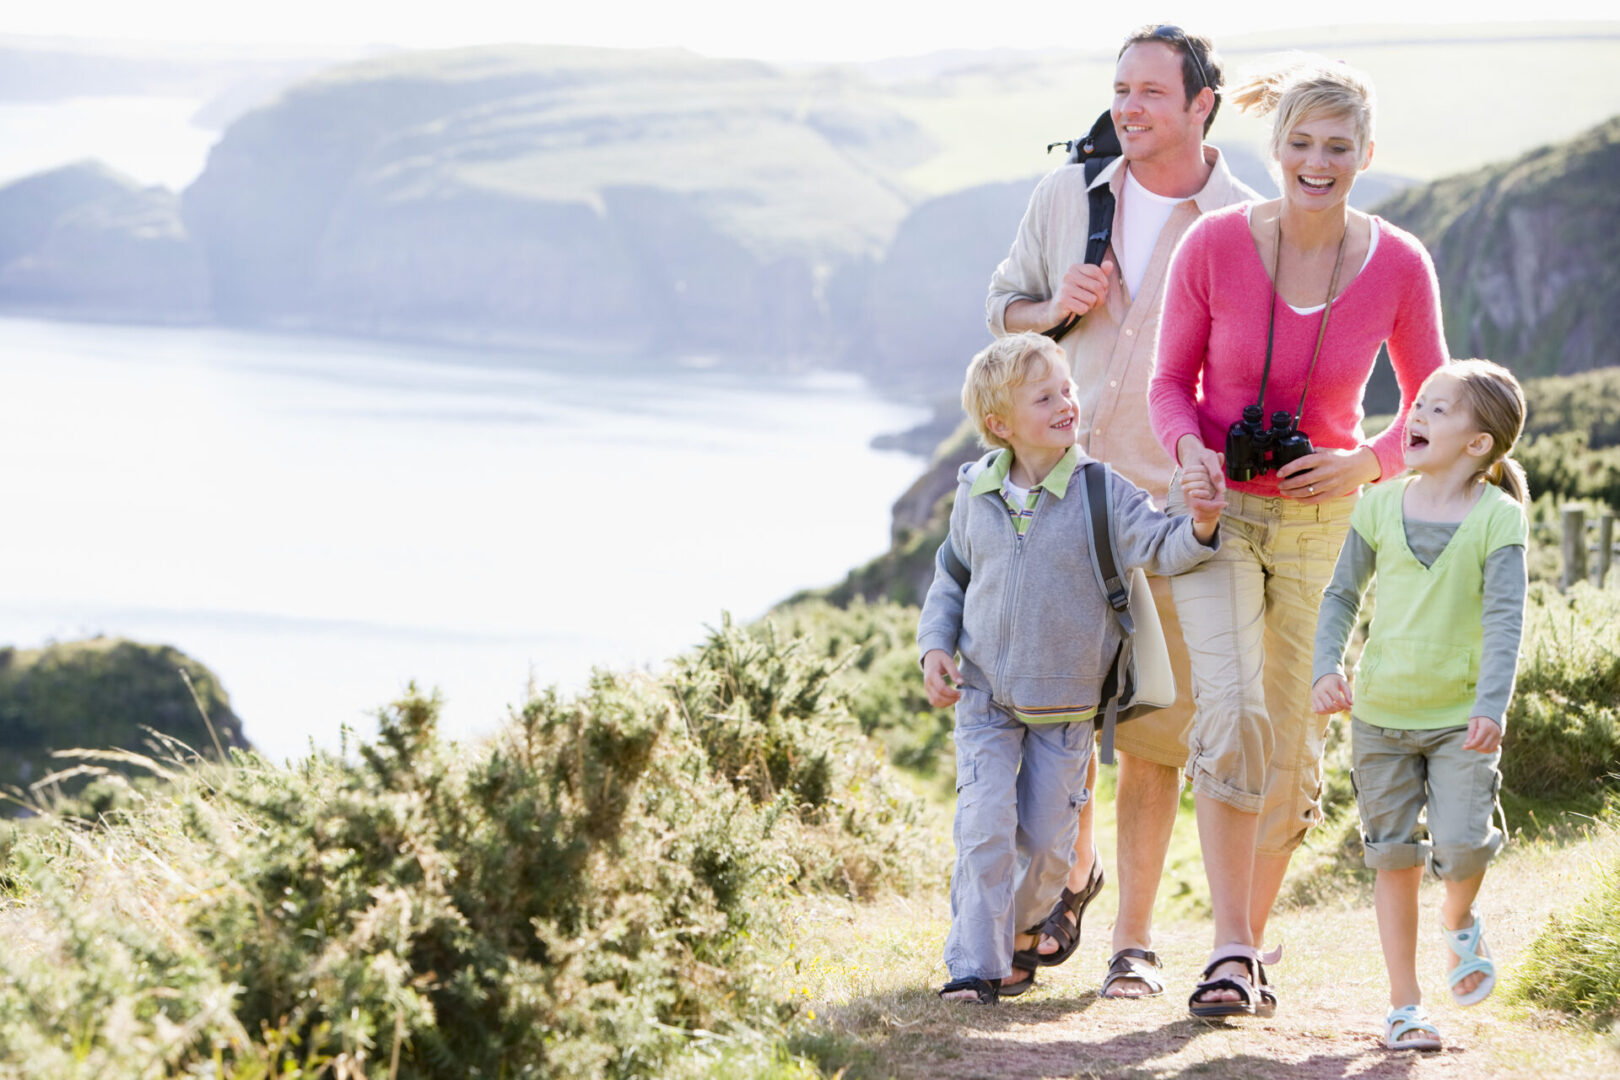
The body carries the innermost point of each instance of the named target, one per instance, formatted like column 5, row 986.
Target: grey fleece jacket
column 1034, row 629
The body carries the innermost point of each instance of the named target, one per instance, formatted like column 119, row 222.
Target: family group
column 1203, row 380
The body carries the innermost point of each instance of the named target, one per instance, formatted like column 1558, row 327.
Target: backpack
column 1140, row 680
column 1094, row 150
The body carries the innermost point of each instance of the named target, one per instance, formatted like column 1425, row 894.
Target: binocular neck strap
column 1327, row 309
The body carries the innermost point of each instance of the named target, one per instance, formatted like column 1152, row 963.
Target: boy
column 1037, row 639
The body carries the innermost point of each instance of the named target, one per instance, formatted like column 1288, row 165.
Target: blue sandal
column 1466, row 944
column 1405, row 1020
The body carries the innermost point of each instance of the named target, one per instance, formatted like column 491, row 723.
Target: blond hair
column 1496, row 401
column 1302, row 85
column 1000, row 368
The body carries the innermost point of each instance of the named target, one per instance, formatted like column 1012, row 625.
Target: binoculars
column 1252, row 449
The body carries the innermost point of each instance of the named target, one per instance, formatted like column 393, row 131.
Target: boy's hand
column 1204, row 492
column 1484, row 735
column 1331, row 694
column 941, row 679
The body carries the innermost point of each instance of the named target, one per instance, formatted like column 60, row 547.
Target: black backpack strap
column 1100, row 200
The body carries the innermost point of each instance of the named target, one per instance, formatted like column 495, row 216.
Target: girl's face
column 1441, row 429
column 1319, row 160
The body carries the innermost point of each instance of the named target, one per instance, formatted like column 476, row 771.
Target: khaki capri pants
column 1248, row 616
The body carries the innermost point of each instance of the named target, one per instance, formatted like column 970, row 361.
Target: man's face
column 1151, row 114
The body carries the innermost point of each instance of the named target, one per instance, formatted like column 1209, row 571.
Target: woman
column 1282, row 305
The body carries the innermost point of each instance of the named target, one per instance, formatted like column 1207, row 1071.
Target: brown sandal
column 1139, row 964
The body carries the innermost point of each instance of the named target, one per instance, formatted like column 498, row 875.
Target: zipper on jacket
column 1009, row 601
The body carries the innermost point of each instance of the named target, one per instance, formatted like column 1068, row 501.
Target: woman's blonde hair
column 1496, row 401
column 1302, row 85
column 1001, row 367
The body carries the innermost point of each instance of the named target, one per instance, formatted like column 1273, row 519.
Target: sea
column 325, row 521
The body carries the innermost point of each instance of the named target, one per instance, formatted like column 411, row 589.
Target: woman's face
column 1319, row 160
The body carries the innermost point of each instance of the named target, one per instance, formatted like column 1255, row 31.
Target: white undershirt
column 1145, row 215
column 1372, row 246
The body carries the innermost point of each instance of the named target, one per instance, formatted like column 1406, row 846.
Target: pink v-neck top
column 1212, row 342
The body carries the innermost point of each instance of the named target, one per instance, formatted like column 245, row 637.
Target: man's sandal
column 1243, row 986
column 986, row 991
column 1139, row 964
column 1466, row 944
column 1404, row 1021
column 1057, row 925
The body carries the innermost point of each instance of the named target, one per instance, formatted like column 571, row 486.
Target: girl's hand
column 1484, row 735
column 941, row 679
column 1331, row 694
column 1328, row 474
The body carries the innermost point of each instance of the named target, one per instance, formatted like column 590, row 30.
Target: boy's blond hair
column 1001, row 367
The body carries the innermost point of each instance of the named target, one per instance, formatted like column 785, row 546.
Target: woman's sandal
column 1139, row 964
column 1243, row 987
column 1267, row 1005
column 1405, row 1020
column 1057, row 925
column 986, row 991
column 1465, row 944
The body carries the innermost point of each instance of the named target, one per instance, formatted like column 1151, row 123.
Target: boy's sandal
column 1241, row 985
column 1057, row 925
column 1023, row 986
column 1466, row 945
column 1404, row 1021
column 986, row 991
column 1141, row 965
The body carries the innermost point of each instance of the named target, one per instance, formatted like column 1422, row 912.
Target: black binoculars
column 1251, row 449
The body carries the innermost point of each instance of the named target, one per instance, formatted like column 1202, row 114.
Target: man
column 1166, row 93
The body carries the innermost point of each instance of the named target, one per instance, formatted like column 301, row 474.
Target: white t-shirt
column 1145, row 215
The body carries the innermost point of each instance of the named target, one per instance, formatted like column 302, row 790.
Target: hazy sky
column 823, row 30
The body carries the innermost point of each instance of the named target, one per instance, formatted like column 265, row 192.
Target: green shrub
column 1563, row 726
column 1573, row 964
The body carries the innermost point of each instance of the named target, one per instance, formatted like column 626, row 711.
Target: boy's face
column 1043, row 414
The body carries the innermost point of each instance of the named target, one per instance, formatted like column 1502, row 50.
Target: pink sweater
column 1212, row 344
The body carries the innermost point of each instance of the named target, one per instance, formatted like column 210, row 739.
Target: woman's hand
column 1331, row 694
column 1328, row 474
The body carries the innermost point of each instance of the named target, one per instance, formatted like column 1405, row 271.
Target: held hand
column 1083, row 288
column 1327, row 474
column 941, row 679
column 1331, row 694
column 1204, row 492
column 1483, row 735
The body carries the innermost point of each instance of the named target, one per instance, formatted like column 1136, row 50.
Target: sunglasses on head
column 1177, row 35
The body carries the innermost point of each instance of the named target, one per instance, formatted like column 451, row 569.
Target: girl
column 1432, row 687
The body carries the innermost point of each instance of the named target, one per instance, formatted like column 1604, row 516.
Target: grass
column 867, row 973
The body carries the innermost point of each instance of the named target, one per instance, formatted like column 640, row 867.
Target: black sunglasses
column 1176, row 34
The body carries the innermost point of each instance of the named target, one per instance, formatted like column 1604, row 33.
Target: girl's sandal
column 1404, row 1021
column 985, row 991
column 1243, row 986
column 1466, row 944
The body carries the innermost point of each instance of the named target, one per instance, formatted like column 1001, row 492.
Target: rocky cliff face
column 1528, row 255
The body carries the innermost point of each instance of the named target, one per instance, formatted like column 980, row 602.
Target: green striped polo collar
column 994, row 477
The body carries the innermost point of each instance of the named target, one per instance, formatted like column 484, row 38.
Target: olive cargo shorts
column 1248, row 616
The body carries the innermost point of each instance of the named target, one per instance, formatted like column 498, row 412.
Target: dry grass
column 868, row 973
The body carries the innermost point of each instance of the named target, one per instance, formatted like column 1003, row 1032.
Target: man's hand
column 1331, row 694
column 941, row 679
column 1084, row 287
column 1484, row 735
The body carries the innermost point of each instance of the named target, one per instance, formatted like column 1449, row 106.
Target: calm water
column 321, row 521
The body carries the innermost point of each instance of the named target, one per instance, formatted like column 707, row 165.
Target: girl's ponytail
column 1508, row 475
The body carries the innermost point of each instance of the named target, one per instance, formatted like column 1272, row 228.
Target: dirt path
column 868, row 972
